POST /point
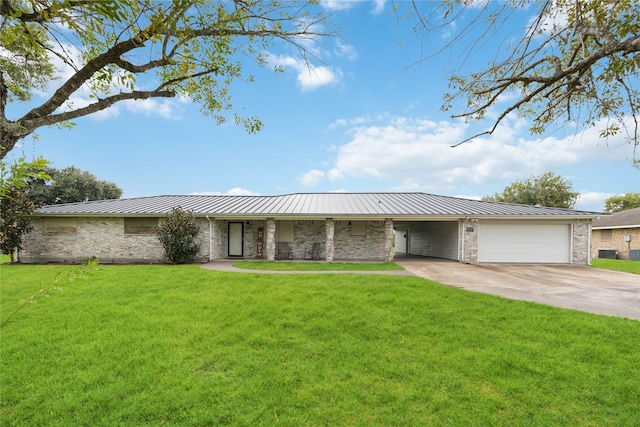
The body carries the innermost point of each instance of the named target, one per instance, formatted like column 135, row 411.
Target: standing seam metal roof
column 310, row 204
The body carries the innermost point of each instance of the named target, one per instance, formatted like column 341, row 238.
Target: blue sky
column 366, row 119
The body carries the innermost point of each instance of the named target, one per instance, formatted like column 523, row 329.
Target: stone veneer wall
column 468, row 246
column 102, row 237
column 368, row 247
column 581, row 238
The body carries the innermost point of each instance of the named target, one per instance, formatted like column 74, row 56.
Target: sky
column 365, row 118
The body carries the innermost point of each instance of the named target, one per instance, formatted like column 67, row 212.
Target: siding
column 434, row 239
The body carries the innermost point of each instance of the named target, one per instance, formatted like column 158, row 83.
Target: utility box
column 634, row 255
column 608, row 253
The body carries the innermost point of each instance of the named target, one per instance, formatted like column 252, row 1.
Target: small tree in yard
column 15, row 220
column 177, row 234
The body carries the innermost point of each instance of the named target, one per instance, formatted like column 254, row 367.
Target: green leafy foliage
column 70, row 185
column 121, row 50
column 20, row 173
column 576, row 63
column 15, row 220
column 622, row 202
column 548, row 189
column 177, row 234
column 15, row 207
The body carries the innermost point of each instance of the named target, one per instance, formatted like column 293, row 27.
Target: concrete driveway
column 568, row 286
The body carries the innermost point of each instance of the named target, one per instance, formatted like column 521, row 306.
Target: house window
column 284, row 231
column 140, row 225
column 60, row 226
column 358, row 228
column 606, row 235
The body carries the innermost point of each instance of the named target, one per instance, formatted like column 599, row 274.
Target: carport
column 437, row 239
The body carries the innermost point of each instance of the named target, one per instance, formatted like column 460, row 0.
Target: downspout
column 461, row 234
column 572, row 244
column 210, row 238
column 589, row 230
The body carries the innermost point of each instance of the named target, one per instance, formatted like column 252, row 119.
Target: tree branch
column 95, row 107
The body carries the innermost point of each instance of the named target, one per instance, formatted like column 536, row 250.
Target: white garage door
column 524, row 242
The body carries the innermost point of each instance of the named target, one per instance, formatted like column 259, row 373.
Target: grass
column 180, row 345
column 315, row 266
column 617, row 265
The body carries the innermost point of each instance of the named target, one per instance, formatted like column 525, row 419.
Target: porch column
column 214, row 237
column 329, row 248
column 271, row 239
column 389, row 239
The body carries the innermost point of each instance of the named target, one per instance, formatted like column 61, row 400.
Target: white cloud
column 311, row 178
column 236, row 191
column 418, row 156
column 378, row 7
column 342, row 5
column 310, row 77
column 338, row 4
column 165, row 108
column 592, row 201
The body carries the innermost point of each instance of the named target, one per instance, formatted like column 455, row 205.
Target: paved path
column 227, row 265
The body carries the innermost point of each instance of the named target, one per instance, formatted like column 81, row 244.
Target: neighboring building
column 356, row 226
column 613, row 236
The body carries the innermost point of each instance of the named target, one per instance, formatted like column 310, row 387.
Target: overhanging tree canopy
column 130, row 50
column 576, row 61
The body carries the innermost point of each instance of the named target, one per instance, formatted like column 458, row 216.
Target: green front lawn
column 617, row 265
column 184, row 346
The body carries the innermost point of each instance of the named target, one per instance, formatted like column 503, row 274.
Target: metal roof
column 317, row 205
column 623, row 219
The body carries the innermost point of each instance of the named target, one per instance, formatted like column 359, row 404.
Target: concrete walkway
column 568, row 286
column 227, row 265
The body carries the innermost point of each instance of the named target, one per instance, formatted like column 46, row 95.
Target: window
column 140, row 225
column 284, row 231
column 60, row 226
column 606, row 234
column 358, row 228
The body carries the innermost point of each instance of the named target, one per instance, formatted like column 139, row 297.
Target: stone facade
column 581, row 239
column 370, row 246
column 102, row 237
column 468, row 238
column 105, row 237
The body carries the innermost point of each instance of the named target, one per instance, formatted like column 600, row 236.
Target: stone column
column 389, row 239
column 329, row 248
column 271, row 239
column 214, row 237
column 470, row 241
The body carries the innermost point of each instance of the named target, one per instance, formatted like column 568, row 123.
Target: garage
column 537, row 242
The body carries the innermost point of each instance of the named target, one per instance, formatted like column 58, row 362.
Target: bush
column 177, row 234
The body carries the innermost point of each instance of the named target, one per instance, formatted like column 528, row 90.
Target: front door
column 236, row 233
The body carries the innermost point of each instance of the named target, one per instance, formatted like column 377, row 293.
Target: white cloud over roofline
column 417, row 153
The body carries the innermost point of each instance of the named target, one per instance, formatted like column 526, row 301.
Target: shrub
column 177, row 234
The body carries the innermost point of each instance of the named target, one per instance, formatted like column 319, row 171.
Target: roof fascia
column 608, row 227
